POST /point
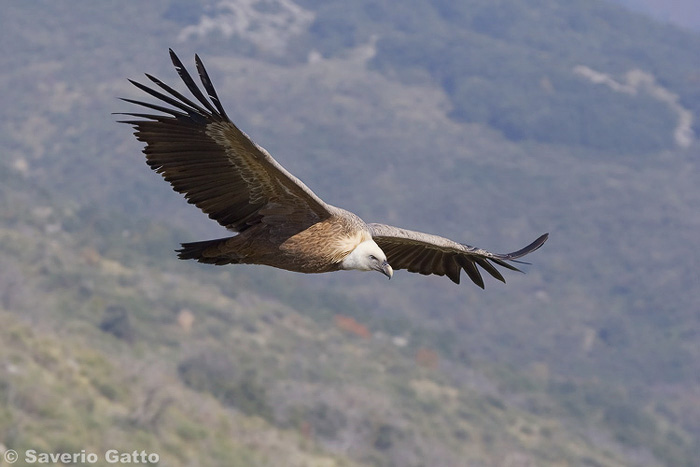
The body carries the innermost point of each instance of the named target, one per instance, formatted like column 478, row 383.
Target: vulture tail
column 209, row 252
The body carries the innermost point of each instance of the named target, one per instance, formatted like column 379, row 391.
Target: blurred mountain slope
column 685, row 13
column 600, row 335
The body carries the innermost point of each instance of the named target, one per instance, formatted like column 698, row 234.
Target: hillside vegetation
column 487, row 122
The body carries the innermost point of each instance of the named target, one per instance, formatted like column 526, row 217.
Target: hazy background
column 487, row 122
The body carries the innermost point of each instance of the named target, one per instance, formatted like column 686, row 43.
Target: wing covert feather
column 431, row 254
column 218, row 168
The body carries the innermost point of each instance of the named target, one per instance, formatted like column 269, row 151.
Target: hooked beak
column 386, row 270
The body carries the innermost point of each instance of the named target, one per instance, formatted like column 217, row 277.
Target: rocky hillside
column 487, row 125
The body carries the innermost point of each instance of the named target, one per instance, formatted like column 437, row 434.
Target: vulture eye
column 373, row 258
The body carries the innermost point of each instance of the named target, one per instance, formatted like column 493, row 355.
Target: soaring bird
column 276, row 219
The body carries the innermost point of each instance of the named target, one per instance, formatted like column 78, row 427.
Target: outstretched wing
column 431, row 254
column 204, row 156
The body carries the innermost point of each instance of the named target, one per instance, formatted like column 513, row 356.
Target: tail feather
column 208, row 251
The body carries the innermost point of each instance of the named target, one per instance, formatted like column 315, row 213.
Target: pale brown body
column 319, row 248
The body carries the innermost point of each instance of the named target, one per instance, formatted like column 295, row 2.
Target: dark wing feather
column 430, row 254
column 204, row 156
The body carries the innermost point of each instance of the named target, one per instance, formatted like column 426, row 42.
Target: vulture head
column 367, row 256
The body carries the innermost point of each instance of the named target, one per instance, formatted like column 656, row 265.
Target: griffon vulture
column 278, row 221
